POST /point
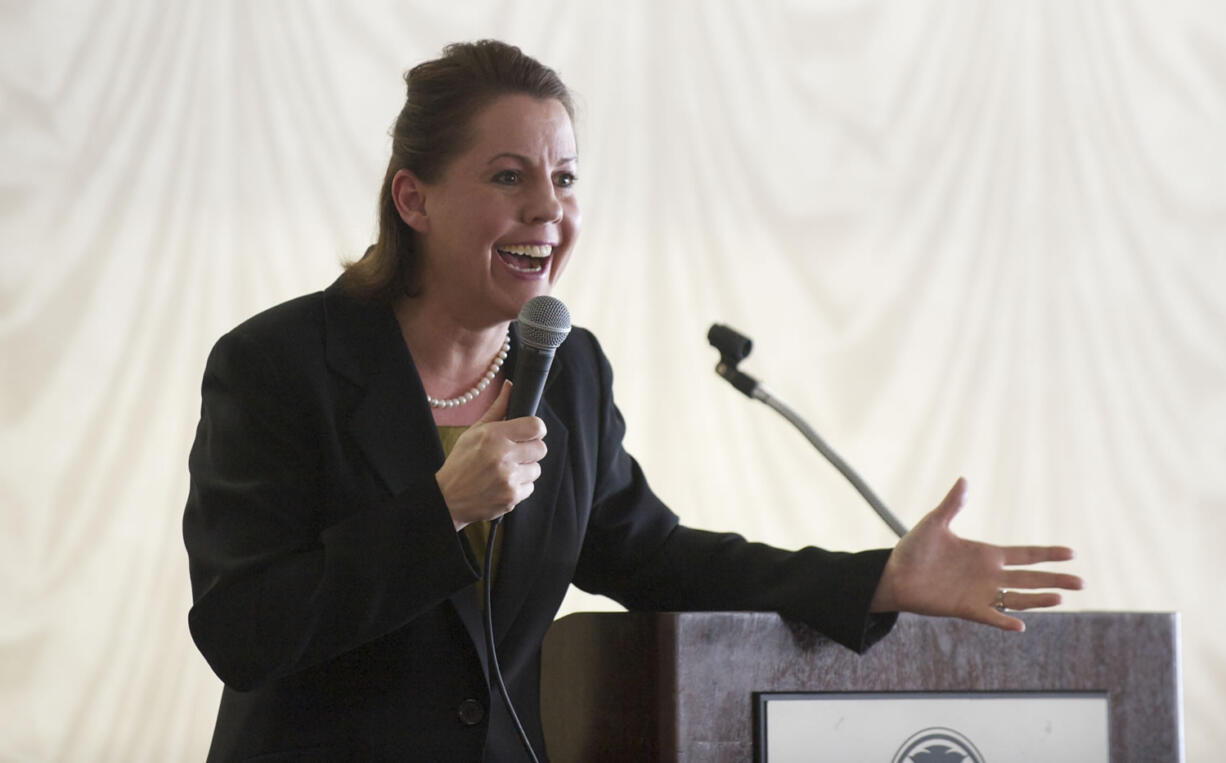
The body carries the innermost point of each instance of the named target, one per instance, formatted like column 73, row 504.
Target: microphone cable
column 492, row 653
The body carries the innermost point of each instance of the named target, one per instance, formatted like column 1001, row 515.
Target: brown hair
column 444, row 97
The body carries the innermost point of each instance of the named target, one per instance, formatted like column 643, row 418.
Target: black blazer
column 333, row 596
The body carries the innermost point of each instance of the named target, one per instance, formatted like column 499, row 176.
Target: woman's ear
column 409, row 193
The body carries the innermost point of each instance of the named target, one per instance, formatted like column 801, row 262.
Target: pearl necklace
column 479, row 387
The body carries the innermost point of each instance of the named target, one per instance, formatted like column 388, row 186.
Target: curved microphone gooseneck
column 733, row 348
column 544, row 323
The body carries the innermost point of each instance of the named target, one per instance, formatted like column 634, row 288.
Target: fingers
column 1040, row 579
column 1035, row 554
column 520, row 469
column 952, row 503
column 527, row 451
column 1019, row 601
column 518, row 441
column 1023, row 601
column 526, row 429
column 1001, row 620
column 990, row 615
column 515, row 488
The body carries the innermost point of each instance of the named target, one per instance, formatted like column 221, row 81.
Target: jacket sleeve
column 284, row 578
column 638, row 554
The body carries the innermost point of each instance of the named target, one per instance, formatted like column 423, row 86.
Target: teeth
column 527, row 250
column 534, row 268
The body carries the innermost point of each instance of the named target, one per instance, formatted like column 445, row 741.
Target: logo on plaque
column 938, row 745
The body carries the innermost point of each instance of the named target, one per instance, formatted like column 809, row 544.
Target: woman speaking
column 353, row 448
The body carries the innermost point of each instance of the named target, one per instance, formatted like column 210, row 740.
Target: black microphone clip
column 733, row 348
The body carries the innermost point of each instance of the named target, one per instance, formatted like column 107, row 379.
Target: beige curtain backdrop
column 982, row 238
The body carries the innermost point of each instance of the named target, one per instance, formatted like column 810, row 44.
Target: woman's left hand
column 934, row 572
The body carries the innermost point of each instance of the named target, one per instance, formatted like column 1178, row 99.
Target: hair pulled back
column 445, row 95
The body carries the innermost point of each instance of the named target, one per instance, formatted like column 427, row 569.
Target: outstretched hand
column 934, row 572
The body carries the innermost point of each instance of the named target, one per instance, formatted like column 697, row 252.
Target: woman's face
column 498, row 227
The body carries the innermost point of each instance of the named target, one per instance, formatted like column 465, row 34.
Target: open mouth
column 525, row 258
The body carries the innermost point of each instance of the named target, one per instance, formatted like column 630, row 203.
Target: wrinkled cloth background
column 967, row 238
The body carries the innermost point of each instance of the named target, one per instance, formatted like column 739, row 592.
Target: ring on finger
column 999, row 604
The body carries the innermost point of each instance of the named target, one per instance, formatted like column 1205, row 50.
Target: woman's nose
column 544, row 206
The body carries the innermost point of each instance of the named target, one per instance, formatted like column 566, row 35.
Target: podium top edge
column 1174, row 614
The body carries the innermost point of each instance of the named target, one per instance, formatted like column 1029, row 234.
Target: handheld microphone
column 544, row 323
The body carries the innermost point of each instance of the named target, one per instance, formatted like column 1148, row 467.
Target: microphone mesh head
column 544, row 323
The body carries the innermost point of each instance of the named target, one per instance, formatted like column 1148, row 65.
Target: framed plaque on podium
column 932, row 727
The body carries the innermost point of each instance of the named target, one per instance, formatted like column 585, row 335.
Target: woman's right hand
column 493, row 465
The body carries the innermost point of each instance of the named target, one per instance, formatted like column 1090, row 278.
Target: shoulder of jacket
column 582, row 349
column 292, row 329
column 290, row 316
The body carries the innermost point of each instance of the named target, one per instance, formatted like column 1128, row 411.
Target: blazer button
column 471, row 712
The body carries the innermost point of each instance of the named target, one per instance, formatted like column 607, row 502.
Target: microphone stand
column 733, row 348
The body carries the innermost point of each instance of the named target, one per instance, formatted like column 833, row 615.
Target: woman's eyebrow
column 525, row 160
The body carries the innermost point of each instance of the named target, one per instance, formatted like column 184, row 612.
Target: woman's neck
column 451, row 358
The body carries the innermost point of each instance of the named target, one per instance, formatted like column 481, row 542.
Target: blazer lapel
column 391, row 423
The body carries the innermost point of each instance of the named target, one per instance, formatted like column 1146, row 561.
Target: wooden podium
column 682, row 686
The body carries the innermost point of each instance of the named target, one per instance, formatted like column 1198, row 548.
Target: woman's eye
column 566, row 179
column 507, row 177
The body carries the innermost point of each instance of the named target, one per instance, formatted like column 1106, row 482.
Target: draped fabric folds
column 967, row 238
